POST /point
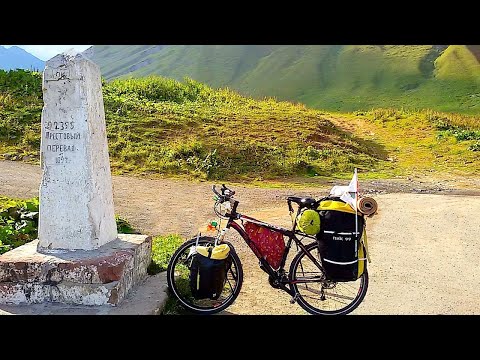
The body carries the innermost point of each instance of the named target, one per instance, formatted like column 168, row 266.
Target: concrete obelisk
column 76, row 200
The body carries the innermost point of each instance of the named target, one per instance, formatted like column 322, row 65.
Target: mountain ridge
column 331, row 77
column 15, row 57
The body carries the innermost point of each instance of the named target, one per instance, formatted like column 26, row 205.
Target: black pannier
column 208, row 271
column 342, row 250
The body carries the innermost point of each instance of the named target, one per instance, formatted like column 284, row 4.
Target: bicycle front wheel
column 323, row 297
column 178, row 273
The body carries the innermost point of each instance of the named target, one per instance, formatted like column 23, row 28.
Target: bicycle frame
column 293, row 283
column 277, row 275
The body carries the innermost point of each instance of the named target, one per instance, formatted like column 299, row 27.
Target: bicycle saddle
column 302, row 202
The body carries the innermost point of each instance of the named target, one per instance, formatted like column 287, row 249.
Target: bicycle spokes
column 180, row 281
column 318, row 295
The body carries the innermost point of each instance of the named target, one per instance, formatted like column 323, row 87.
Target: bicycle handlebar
column 226, row 195
column 215, row 191
column 226, row 192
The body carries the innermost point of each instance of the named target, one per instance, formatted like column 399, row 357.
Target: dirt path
column 424, row 246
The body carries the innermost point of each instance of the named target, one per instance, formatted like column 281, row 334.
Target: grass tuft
column 163, row 248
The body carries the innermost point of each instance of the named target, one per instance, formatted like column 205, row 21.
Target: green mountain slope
column 159, row 126
column 217, row 65
column 118, row 60
column 332, row 77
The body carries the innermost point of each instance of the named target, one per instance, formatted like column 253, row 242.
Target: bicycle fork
column 221, row 236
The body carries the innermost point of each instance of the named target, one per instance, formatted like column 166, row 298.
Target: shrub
column 19, row 223
column 475, row 146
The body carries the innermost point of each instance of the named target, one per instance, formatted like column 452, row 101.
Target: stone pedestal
column 96, row 277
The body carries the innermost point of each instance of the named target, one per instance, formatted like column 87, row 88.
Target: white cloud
column 46, row 52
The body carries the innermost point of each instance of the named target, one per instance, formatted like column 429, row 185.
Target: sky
column 45, row 52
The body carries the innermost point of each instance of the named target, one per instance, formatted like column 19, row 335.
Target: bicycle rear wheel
column 323, row 297
column 178, row 273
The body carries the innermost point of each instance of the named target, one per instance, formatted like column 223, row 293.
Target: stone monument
column 74, row 159
column 78, row 258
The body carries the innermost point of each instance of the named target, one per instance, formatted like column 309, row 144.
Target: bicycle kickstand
column 293, row 300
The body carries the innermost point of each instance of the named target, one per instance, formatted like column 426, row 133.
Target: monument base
column 94, row 277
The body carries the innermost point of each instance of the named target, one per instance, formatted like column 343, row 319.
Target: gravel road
column 423, row 241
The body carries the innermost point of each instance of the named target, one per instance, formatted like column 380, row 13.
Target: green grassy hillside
column 331, row 77
column 159, row 126
column 419, row 143
column 162, row 127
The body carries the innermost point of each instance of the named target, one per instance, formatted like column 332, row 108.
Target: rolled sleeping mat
column 367, row 206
